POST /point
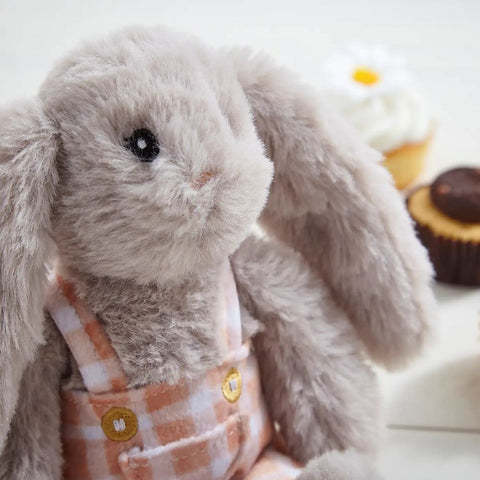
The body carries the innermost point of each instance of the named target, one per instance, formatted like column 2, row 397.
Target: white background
column 434, row 407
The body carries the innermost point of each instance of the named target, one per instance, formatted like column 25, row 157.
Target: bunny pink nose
column 204, row 178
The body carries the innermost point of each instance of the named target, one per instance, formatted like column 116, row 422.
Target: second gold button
column 232, row 385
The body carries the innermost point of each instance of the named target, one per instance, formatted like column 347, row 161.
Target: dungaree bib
column 212, row 428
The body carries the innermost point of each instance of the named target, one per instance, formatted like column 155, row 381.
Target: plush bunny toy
column 141, row 168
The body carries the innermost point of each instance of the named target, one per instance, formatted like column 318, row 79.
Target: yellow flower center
column 366, row 76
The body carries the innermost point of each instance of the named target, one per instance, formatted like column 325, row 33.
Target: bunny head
column 161, row 171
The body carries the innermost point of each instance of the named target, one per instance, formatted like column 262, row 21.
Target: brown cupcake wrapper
column 454, row 261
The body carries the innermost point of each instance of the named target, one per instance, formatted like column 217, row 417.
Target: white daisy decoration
column 376, row 93
column 362, row 71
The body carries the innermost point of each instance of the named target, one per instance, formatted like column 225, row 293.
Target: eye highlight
column 143, row 144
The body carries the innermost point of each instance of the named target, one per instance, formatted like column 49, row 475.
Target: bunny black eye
column 143, row 144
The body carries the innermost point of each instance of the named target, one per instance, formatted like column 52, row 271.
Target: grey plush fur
column 331, row 201
column 28, row 178
column 316, row 384
column 143, row 243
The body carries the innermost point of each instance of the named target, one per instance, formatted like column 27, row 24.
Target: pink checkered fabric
column 188, row 431
column 96, row 359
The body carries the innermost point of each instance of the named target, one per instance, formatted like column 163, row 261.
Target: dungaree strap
column 97, row 361
column 230, row 318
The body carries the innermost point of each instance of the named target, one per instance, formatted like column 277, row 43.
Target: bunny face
column 161, row 170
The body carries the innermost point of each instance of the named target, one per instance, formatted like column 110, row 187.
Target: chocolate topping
column 456, row 193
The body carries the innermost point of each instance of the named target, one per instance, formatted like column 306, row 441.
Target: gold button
column 119, row 424
column 232, row 385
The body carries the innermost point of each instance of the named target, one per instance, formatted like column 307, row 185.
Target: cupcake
column 447, row 218
column 376, row 93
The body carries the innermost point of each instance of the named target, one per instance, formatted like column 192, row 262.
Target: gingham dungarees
column 215, row 428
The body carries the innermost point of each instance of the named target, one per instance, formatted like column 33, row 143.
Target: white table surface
column 433, row 408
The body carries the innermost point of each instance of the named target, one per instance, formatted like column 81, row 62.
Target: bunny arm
column 33, row 449
column 316, row 384
column 27, row 181
column 332, row 201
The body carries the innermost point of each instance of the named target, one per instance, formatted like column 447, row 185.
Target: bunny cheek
column 160, row 229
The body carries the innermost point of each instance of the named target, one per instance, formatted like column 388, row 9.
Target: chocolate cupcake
column 447, row 218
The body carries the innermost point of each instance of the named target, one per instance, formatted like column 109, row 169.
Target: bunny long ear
column 28, row 178
column 332, row 201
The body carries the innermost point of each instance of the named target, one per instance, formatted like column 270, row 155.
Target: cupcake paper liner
column 454, row 261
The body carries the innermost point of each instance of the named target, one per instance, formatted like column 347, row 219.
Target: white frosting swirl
column 375, row 92
column 387, row 121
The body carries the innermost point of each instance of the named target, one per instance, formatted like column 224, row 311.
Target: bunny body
column 211, row 426
column 142, row 165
